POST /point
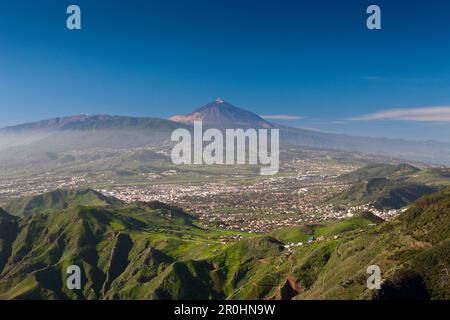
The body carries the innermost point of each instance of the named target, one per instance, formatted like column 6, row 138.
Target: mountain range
column 151, row 250
column 81, row 132
column 155, row 251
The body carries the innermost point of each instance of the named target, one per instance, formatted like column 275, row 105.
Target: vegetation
column 58, row 200
column 156, row 251
column 390, row 186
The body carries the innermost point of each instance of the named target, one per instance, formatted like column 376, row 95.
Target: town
column 236, row 200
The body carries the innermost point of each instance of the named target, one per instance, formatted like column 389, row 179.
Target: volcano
column 222, row 114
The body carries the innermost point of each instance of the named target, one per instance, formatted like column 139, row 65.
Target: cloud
column 372, row 78
column 431, row 114
column 280, row 117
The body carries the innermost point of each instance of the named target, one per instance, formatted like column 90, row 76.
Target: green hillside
column 390, row 186
column 383, row 193
column 155, row 251
column 373, row 171
column 8, row 231
column 303, row 233
column 57, row 200
column 429, row 219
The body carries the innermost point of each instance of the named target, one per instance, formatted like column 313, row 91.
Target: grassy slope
column 372, row 171
column 89, row 236
column 153, row 251
column 412, row 253
column 303, row 233
column 58, row 200
column 390, row 186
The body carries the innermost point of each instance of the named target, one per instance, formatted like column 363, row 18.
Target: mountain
column 302, row 234
column 123, row 249
column 424, row 151
column 52, row 144
column 429, row 218
column 222, row 114
column 83, row 144
column 383, row 193
column 8, row 230
column 87, row 131
column 425, row 274
column 388, row 186
column 155, row 251
column 58, row 200
column 90, row 122
column 380, row 170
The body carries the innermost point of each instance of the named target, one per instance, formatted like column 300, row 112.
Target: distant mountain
column 55, row 123
column 423, row 151
column 90, row 122
column 82, row 132
column 87, row 131
column 155, row 251
column 222, row 114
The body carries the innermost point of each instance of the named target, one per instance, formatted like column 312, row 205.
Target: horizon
column 160, row 59
column 224, row 150
column 168, row 119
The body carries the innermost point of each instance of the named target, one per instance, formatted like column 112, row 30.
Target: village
column 260, row 207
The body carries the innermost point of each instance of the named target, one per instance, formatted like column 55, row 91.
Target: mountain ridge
column 84, row 121
column 57, row 200
column 105, row 131
column 131, row 251
column 386, row 186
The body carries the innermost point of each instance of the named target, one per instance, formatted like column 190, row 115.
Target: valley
column 149, row 250
column 230, row 197
column 163, row 154
column 101, row 192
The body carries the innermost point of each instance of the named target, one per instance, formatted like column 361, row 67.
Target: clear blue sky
column 314, row 59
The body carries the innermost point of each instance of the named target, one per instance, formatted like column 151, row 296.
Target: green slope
column 303, row 233
column 8, row 233
column 412, row 253
column 373, row 171
column 155, row 251
column 390, row 186
column 58, row 200
column 108, row 242
column 384, row 193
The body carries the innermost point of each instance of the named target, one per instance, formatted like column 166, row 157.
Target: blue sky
column 314, row 61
